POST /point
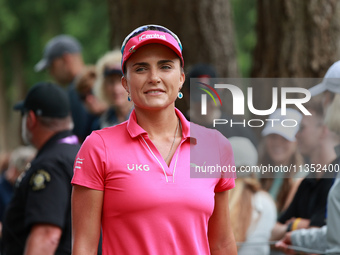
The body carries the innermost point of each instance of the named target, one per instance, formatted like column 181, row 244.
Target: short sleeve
column 227, row 159
column 89, row 166
column 48, row 196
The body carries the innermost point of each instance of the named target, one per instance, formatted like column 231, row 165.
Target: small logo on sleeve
column 39, row 180
column 78, row 163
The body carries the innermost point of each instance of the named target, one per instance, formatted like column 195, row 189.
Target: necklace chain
column 173, row 142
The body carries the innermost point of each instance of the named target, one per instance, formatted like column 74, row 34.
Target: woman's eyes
column 166, row 67
column 140, row 69
column 143, row 68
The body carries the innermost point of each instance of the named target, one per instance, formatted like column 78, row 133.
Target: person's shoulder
column 199, row 130
column 209, row 137
column 264, row 196
column 111, row 131
column 62, row 148
column 106, row 135
column 263, row 201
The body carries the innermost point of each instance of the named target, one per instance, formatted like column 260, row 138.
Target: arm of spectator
column 333, row 223
column 302, row 223
column 313, row 238
column 278, row 231
column 220, row 235
column 43, row 240
column 86, row 220
column 284, row 243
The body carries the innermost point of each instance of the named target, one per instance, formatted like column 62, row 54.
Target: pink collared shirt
column 149, row 207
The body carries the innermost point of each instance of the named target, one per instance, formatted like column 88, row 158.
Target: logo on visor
column 151, row 36
column 131, row 50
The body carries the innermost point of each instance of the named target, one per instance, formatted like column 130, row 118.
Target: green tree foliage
column 27, row 26
column 244, row 16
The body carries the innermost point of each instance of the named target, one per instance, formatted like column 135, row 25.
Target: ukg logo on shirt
column 138, row 167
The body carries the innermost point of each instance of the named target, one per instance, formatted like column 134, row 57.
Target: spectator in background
column 325, row 239
column 18, row 161
column 63, row 59
column 316, row 142
column 279, row 149
column 192, row 97
column 38, row 218
column 4, row 161
column 252, row 210
column 109, row 89
column 85, row 88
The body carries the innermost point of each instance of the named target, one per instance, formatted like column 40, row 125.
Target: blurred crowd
column 270, row 213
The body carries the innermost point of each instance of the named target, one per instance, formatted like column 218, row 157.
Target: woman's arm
column 86, row 219
column 220, row 234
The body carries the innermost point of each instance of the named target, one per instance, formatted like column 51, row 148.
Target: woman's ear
column 182, row 80
column 124, row 83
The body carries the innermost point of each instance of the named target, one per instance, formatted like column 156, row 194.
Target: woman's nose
column 154, row 76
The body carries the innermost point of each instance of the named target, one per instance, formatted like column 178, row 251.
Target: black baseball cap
column 110, row 70
column 57, row 47
column 202, row 70
column 47, row 100
column 199, row 71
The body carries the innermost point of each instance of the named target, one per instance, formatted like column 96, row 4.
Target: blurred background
column 241, row 38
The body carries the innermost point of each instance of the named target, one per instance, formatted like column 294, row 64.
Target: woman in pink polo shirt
column 144, row 182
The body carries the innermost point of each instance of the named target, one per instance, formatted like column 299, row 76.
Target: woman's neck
column 158, row 122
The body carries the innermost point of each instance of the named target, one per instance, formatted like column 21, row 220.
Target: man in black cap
column 38, row 219
column 63, row 59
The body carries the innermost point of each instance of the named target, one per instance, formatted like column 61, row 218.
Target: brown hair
column 241, row 207
column 264, row 159
column 86, row 80
column 111, row 58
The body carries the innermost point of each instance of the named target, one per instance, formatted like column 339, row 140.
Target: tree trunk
column 204, row 27
column 9, row 95
column 3, row 110
column 19, row 93
column 296, row 38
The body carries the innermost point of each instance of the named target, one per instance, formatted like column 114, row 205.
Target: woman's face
column 310, row 134
column 153, row 77
column 279, row 149
column 327, row 99
column 114, row 91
